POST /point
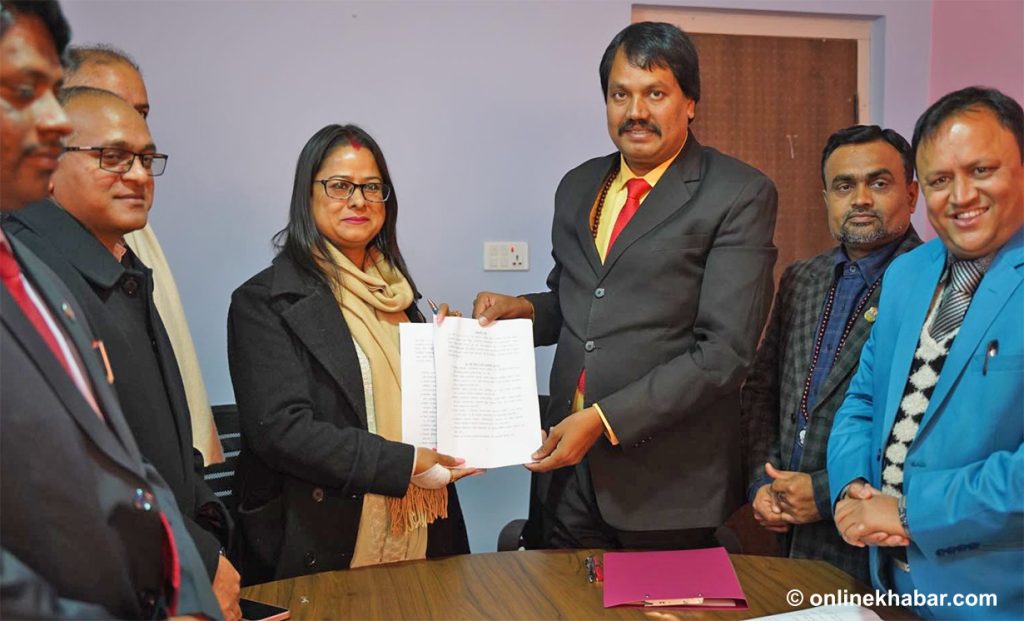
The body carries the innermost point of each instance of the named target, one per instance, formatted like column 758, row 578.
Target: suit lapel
column 584, row 204
column 919, row 299
column 668, row 196
column 849, row 357
column 807, row 313
column 313, row 318
column 994, row 291
column 126, row 452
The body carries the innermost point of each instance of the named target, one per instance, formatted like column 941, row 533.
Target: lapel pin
column 871, row 314
column 68, row 312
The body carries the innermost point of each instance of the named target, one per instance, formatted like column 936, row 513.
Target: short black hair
column 656, row 44
column 48, row 11
column 862, row 134
column 100, row 53
column 973, row 98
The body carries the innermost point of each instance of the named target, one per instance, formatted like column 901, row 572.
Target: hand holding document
column 471, row 391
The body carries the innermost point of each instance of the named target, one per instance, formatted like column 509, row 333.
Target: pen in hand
column 442, row 311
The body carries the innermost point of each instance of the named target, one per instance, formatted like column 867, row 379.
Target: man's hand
column 227, row 586
column 794, row 494
column 489, row 307
column 767, row 513
column 568, row 441
column 870, row 521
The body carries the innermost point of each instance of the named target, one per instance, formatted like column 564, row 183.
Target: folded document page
column 470, row 391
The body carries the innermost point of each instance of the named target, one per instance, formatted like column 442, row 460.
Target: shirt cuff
column 608, row 431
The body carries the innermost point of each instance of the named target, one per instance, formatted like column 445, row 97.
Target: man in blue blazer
column 926, row 458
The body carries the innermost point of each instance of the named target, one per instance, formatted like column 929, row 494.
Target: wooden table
column 548, row 584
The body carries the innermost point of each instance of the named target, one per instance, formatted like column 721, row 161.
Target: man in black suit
column 656, row 315
column 87, row 528
column 102, row 189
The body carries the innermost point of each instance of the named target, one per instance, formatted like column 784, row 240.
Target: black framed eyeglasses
column 116, row 160
column 342, row 189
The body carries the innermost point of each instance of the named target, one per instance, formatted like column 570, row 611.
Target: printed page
column 419, row 386
column 486, row 392
column 840, row 612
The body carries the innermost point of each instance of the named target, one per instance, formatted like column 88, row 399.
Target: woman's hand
column 440, row 469
column 444, row 311
column 426, row 458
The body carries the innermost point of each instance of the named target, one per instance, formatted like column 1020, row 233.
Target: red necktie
column 11, row 274
column 635, row 189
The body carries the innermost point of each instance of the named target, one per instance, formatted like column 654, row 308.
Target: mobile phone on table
column 258, row 611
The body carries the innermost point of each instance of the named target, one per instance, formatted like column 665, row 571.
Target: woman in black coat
column 323, row 480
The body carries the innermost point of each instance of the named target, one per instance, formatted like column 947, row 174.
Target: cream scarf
column 373, row 303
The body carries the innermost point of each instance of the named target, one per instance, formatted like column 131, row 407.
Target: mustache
column 861, row 212
column 627, row 126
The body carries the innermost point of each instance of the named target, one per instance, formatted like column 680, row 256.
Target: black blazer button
column 589, row 346
column 130, row 286
column 147, row 601
column 310, row 559
column 318, row 495
column 599, row 292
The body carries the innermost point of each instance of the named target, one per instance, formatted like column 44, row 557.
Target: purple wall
column 480, row 107
column 977, row 42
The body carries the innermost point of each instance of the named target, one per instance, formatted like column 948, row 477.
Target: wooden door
column 773, row 102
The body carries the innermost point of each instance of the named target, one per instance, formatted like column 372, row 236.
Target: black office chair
column 221, row 477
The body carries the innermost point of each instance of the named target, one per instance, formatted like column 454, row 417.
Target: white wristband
column 434, row 477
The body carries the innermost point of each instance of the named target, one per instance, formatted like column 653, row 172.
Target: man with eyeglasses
column 87, row 528
column 101, row 190
column 111, row 69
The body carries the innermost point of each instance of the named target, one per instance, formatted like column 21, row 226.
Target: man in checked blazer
column 656, row 326
column 823, row 313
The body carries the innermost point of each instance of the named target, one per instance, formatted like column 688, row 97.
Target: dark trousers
column 570, row 518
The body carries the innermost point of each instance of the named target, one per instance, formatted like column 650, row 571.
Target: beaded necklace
column 842, row 339
column 614, row 172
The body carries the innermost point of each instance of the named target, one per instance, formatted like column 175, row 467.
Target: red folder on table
column 679, row 578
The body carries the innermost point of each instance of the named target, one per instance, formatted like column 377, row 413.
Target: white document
column 843, row 612
column 484, row 386
column 419, row 388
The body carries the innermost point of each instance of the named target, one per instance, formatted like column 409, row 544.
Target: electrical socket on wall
column 506, row 256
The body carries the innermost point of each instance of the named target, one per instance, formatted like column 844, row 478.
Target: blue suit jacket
column 964, row 474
